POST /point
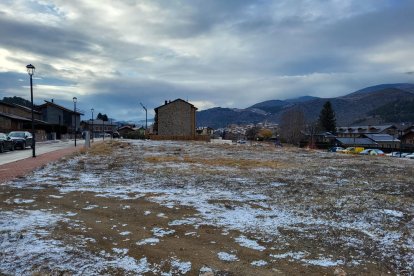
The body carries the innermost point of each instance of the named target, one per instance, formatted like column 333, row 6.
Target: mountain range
column 384, row 103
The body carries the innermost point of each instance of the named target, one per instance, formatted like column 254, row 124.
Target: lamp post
column 74, row 114
column 146, row 120
column 400, row 132
column 112, row 131
column 92, row 123
column 31, row 69
column 103, row 130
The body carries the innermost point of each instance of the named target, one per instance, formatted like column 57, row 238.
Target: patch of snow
column 259, row 263
column 160, row 232
column 252, row 244
column 224, row 256
column 180, row 267
column 90, row 207
column 187, row 221
column 20, row 237
column 129, row 264
column 323, row 262
column 150, row 241
column 20, row 201
column 55, row 196
column 293, row 255
column 122, row 251
column 206, row 269
column 277, row 184
column 393, row 213
column 125, row 233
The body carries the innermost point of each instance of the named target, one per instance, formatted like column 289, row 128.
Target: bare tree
column 251, row 133
column 292, row 124
column 312, row 130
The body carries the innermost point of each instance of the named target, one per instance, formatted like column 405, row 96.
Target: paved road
column 41, row 148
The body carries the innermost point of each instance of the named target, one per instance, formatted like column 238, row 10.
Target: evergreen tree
column 17, row 100
column 102, row 117
column 327, row 120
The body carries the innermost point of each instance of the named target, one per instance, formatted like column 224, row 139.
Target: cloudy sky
column 112, row 55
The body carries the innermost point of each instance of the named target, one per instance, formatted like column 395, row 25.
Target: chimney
column 166, row 102
column 52, row 100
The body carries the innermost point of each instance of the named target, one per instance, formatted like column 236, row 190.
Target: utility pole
column 146, row 117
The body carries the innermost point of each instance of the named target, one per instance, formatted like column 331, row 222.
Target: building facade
column 14, row 117
column 175, row 119
column 358, row 131
column 99, row 127
column 61, row 120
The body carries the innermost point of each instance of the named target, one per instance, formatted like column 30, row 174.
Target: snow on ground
column 25, row 245
column 325, row 200
column 227, row 257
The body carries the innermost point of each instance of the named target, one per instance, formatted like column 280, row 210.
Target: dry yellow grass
column 224, row 162
column 105, row 148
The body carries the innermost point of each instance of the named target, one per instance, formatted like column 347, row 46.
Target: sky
column 114, row 55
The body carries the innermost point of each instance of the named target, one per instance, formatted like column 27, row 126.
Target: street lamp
column 112, row 130
column 92, row 123
column 74, row 113
column 30, row 70
column 103, row 130
column 146, row 121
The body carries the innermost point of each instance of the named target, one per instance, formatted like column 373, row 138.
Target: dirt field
column 172, row 208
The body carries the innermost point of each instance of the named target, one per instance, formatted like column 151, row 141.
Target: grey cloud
column 228, row 52
column 11, row 82
column 40, row 39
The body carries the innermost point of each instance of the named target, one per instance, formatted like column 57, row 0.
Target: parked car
column 397, row 154
column 335, row 149
column 352, row 150
column 115, row 134
column 372, row 152
column 100, row 135
column 21, row 139
column 411, row 156
column 5, row 143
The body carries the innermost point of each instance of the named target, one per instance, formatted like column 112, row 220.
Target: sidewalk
column 22, row 167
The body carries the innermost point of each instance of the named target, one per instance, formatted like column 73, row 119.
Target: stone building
column 176, row 119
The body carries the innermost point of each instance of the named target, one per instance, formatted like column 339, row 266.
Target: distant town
column 177, row 120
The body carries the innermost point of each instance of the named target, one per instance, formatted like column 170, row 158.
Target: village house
column 205, row 131
column 175, row 120
column 125, row 130
column 14, row 117
column 358, row 131
column 98, row 127
column 384, row 141
column 386, row 137
column 356, row 142
column 407, row 137
column 61, row 120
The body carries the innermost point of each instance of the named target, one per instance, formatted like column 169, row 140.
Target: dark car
column 335, row 149
column 5, row 143
column 21, row 139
